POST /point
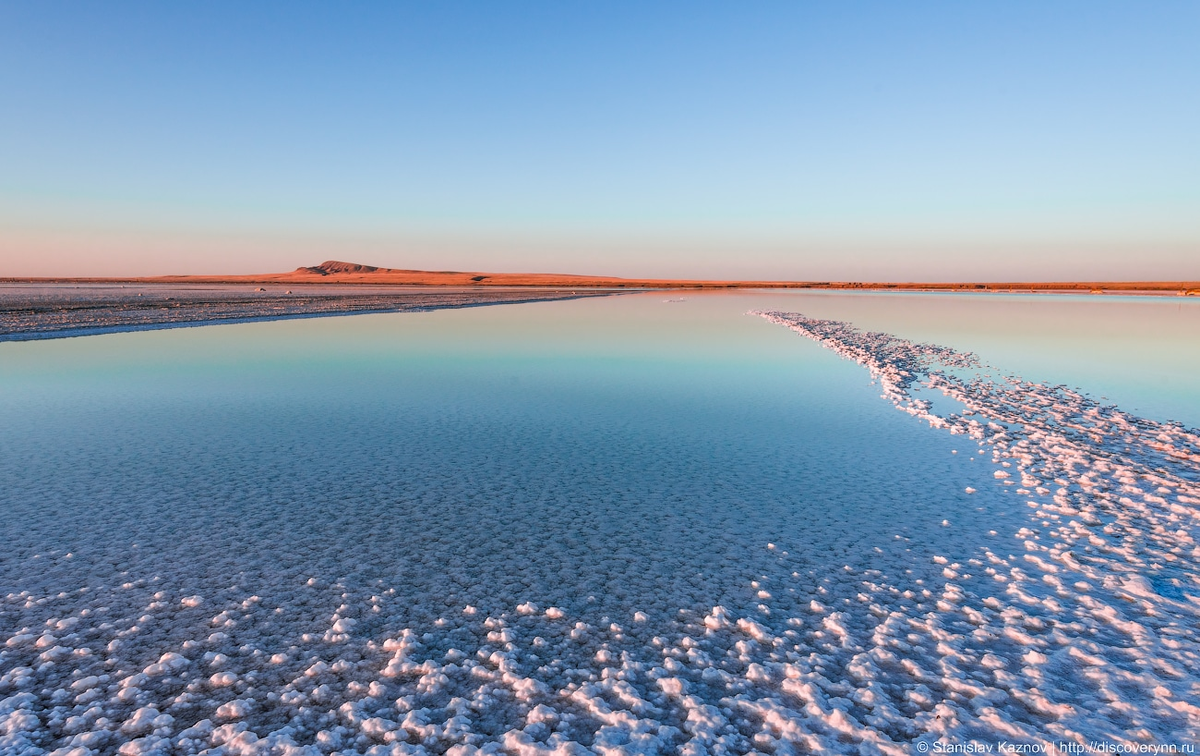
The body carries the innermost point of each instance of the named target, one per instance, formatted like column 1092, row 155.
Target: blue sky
column 905, row 141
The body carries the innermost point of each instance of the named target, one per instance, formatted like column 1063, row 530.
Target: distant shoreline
column 341, row 273
column 65, row 312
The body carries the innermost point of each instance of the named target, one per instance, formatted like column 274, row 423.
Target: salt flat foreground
column 538, row 533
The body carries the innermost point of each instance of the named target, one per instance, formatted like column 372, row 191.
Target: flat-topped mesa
column 329, row 267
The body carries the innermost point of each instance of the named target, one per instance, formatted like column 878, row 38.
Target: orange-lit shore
column 351, row 273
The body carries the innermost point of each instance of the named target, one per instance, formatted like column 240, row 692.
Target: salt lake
column 645, row 523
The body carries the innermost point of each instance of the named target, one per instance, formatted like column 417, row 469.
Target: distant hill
column 330, row 267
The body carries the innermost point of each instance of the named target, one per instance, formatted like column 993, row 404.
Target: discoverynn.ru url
column 1064, row 747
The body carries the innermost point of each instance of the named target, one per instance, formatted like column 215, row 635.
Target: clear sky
column 904, row 141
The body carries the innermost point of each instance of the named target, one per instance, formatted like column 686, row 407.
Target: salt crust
column 31, row 312
column 1089, row 633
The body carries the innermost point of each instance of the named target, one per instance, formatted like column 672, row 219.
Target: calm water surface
column 685, row 424
column 605, row 457
column 557, row 449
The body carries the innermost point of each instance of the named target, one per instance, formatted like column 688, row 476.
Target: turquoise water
column 435, row 472
column 571, row 427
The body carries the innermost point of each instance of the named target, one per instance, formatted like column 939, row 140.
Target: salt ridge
column 1107, row 594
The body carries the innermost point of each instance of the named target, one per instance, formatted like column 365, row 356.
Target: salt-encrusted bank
column 31, row 312
column 1107, row 593
column 276, row 633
